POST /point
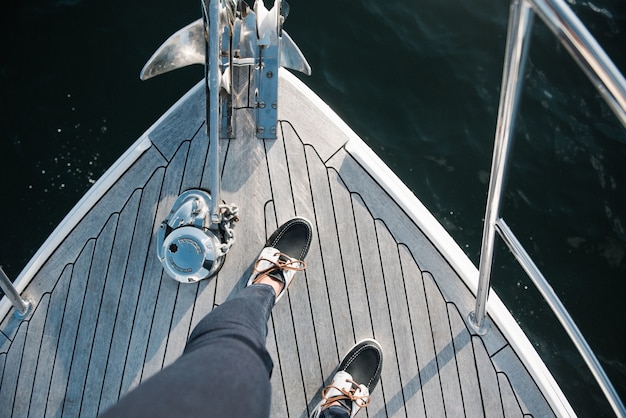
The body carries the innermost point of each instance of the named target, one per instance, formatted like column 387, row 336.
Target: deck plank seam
column 90, row 275
column 291, row 310
column 278, row 363
column 341, row 249
column 92, row 238
column 206, row 153
column 506, row 377
column 441, row 361
column 454, row 360
column 108, row 357
column 157, row 149
column 63, row 326
column 393, row 331
column 323, row 265
column 482, row 400
column 474, row 339
column 265, row 211
column 105, row 275
column 194, row 159
column 428, row 308
column 432, row 340
column 36, row 361
column 435, row 247
column 297, row 351
column 146, row 260
column 284, row 143
column 3, row 359
column 406, row 299
column 367, row 293
column 28, row 324
column 141, row 191
column 122, row 293
column 177, row 188
column 178, row 149
column 341, row 253
column 495, row 353
column 226, row 151
column 33, row 377
column 338, row 150
column 18, row 366
column 149, row 332
column 193, row 310
column 306, row 144
column 57, row 335
column 95, row 237
column 280, row 368
column 271, row 201
column 180, row 144
column 171, row 324
column 362, row 267
column 523, row 365
column 452, row 305
column 10, row 339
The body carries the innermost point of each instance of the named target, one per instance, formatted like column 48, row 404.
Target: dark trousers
column 224, row 371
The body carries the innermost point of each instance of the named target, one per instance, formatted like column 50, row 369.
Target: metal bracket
column 243, row 37
column 267, row 92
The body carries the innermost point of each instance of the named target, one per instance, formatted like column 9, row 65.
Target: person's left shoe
column 356, row 377
column 283, row 255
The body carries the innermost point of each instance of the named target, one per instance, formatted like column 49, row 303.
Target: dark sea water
column 419, row 80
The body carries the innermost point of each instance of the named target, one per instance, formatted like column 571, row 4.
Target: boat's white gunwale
column 447, row 246
column 86, row 203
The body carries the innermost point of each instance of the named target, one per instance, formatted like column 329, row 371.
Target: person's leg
column 225, row 369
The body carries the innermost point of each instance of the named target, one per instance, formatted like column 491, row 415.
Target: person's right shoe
column 356, row 377
column 283, row 254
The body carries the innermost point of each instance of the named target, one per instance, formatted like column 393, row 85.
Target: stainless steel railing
column 612, row 86
column 22, row 305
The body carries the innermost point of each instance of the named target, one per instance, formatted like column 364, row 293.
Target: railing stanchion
column 520, row 22
column 22, row 306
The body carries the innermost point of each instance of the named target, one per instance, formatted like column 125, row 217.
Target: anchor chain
column 228, row 215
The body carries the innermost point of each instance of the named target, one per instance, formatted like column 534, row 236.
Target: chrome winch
column 190, row 246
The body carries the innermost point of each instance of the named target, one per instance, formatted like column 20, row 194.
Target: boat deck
column 106, row 316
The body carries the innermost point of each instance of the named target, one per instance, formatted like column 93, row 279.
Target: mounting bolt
column 262, row 105
column 260, row 129
column 269, row 74
column 274, row 105
column 273, row 130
